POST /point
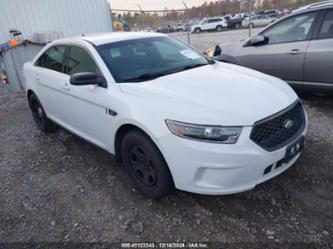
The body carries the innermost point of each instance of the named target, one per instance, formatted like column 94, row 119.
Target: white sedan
column 175, row 118
column 257, row 21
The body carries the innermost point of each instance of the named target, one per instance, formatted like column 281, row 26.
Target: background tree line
column 207, row 9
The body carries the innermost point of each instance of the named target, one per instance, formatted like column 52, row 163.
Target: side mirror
column 84, row 79
column 214, row 51
column 258, row 40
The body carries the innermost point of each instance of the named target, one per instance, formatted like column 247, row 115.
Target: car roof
column 104, row 38
column 315, row 6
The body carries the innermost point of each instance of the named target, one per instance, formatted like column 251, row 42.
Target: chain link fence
column 178, row 21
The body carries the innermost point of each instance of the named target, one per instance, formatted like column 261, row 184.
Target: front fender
column 228, row 59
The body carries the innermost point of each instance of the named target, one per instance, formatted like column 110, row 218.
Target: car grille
column 275, row 132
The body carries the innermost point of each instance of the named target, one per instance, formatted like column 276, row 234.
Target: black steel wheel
column 142, row 165
column 39, row 115
column 145, row 165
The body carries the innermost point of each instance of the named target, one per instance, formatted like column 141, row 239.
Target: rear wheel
column 252, row 25
column 39, row 115
column 146, row 165
column 219, row 28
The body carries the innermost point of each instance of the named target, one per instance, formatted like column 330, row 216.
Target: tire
column 146, row 166
column 197, row 31
column 38, row 113
column 252, row 25
column 237, row 26
column 219, row 28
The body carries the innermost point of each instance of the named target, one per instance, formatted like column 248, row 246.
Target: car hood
column 221, row 94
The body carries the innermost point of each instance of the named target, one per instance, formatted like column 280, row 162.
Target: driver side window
column 80, row 61
column 293, row 29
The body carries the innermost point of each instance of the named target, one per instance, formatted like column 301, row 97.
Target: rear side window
column 326, row 29
column 213, row 20
column 52, row 58
column 80, row 61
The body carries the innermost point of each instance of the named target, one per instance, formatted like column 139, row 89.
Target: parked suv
column 218, row 24
column 297, row 48
column 173, row 117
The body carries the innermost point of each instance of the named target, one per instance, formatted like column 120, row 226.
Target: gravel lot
column 58, row 188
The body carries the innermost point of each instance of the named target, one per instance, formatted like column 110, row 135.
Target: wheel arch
column 29, row 93
column 122, row 131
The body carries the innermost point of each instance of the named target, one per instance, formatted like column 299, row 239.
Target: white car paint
column 218, row 94
column 210, row 24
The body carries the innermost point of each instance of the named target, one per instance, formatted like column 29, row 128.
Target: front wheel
column 197, row 30
column 39, row 115
column 146, row 165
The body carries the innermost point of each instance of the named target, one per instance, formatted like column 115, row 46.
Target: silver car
column 297, row 48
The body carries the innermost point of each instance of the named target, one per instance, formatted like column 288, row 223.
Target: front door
column 84, row 108
column 319, row 57
column 283, row 55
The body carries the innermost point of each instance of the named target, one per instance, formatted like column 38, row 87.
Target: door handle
column 66, row 86
column 294, row 51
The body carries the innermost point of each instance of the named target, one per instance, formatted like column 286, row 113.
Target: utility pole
column 142, row 17
column 187, row 25
column 250, row 10
column 111, row 17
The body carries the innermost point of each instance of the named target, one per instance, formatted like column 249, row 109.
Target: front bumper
column 211, row 168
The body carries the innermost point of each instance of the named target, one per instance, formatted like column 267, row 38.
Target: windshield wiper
column 144, row 77
column 194, row 66
column 151, row 76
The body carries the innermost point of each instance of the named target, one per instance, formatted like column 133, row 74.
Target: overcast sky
column 153, row 4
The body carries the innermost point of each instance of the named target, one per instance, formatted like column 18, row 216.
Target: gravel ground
column 58, row 188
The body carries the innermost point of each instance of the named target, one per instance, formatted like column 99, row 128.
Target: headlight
column 209, row 133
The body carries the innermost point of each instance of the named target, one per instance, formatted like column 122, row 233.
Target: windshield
column 148, row 58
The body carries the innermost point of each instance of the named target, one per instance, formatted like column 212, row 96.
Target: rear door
column 319, row 57
column 284, row 54
column 262, row 21
column 205, row 25
column 212, row 23
column 48, row 75
column 254, row 21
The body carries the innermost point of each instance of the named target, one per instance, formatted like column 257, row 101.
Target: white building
column 57, row 17
column 42, row 21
